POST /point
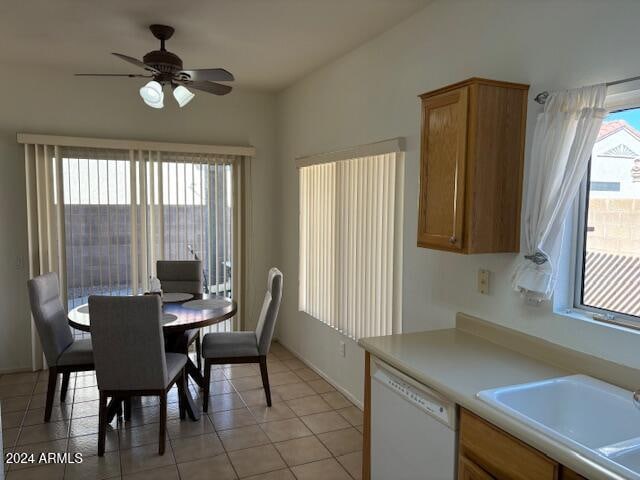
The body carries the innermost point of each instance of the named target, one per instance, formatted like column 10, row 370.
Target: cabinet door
column 442, row 170
column 500, row 454
column 568, row 474
column 467, row 470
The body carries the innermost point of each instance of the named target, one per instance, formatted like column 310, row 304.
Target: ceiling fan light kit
column 152, row 94
column 165, row 68
column 182, row 95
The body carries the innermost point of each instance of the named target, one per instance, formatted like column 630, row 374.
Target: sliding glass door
column 124, row 210
column 97, row 224
column 197, row 211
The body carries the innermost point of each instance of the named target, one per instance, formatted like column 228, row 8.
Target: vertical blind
column 182, row 207
column 102, row 217
column 45, row 224
column 350, row 243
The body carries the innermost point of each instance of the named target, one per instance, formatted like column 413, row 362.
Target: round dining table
column 197, row 312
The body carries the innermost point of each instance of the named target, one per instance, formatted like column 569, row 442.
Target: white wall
column 371, row 93
column 46, row 101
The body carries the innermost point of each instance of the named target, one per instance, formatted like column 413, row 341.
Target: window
column 608, row 277
column 350, row 240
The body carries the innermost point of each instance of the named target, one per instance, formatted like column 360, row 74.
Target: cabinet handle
column 453, row 240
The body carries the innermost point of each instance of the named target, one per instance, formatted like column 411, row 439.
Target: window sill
column 586, row 316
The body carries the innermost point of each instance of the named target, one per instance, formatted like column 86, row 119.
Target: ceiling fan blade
column 130, row 75
column 211, row 74
column 209, row 87
column 135, row 61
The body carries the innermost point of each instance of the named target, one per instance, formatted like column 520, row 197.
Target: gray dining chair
column 130, row 358
column 64, row 355
column 183, row 276
column 246, row 347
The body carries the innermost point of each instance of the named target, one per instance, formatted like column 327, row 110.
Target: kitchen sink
column 591, row 417
column 630, row 460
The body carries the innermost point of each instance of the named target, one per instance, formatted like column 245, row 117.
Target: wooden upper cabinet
column 471, row 166
column 444, row 150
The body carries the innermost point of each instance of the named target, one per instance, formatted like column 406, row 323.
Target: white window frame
column 627, row 97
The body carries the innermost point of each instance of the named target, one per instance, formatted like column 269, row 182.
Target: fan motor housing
column 163, row 61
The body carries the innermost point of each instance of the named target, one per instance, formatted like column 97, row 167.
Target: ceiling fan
column 165, row 68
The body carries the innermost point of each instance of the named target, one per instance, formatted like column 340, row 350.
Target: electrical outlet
column 483, row 281
column 343, row 349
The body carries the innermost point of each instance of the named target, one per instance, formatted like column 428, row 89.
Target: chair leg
column 102, row 423
column 182, row 398
column 163, row 422
column 207, row 385
column 64, row 386
column 51, row 391
column 199, row 352
column 265, row 378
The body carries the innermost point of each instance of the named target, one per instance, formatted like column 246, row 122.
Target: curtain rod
column 542, row 97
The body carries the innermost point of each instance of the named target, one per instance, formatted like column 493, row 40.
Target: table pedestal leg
column 177, row 344
column 194, row 372
column 113, row 409
column 192, row 407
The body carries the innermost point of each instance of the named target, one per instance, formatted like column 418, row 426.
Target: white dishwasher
column 413, row 428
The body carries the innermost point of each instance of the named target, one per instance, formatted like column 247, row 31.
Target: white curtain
column 563, row 139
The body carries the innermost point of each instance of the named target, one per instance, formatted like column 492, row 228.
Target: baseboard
column 325, row 377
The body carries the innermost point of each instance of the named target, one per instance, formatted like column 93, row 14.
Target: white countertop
column 459, row 365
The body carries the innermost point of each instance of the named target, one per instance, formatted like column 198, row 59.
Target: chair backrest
column 183, row 276
column 128, row 344
column 49, row 316
column 269, row 313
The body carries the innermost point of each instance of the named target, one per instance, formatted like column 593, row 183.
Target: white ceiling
column 267, row 44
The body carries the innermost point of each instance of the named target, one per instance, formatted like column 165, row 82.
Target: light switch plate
column 483, row 281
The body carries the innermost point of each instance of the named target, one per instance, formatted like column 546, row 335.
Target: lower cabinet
column 467, row 470
column 486, row 452
column 568, row 474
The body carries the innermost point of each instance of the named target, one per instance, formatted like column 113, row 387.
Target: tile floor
column 310, row 432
